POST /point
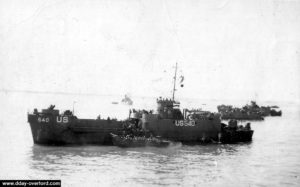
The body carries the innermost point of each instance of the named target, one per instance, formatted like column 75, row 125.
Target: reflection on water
column 164, row 166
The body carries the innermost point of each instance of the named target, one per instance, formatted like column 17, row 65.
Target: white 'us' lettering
column 62, row 119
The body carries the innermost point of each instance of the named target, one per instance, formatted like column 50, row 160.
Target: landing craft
column 171, row 123
column 49, row 126
column 187, row 126
column 247, row 112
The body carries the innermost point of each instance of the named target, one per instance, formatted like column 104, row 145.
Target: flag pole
column 73, row 106
column 174, row 87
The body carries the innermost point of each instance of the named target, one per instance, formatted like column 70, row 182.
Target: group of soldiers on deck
column 133, row 128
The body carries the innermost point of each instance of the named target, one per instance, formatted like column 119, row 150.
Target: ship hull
column 275, row 113
column 51, row 130
column 235, row 136
column 185, row 131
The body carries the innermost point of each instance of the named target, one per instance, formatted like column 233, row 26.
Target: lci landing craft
column 168, row 122
column 248, row 112
column 51, row 127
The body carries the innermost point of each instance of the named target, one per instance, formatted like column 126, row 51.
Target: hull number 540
column 43, row 119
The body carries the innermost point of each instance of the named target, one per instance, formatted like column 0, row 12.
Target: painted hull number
column 181, row 123
column 43, row 119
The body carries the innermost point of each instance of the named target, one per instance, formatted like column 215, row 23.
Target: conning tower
column 168, row 109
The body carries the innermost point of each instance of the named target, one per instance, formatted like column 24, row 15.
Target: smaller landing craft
column 232, row 133
column 127, row 141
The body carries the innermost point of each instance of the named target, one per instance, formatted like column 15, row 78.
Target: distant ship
column 127, row 100
column 247, row 112
column 49, row 126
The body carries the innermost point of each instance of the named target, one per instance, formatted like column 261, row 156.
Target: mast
column 174, row 87
column 73, row 107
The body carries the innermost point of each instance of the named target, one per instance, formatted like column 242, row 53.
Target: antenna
column 174, row 87
column 73, row 106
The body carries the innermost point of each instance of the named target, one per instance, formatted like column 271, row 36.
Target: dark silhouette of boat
column 274, row 112
column 169, row 122
column 232, row 133
column 247, row 112
column 138, row 141
column 49, row 126
column 189, row 126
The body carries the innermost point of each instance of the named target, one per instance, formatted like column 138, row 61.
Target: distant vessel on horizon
column 127, row 100
column 248, row 112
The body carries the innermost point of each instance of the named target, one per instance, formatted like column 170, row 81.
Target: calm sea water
column 271, row 159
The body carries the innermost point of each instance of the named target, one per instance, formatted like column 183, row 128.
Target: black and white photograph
column 150, row 93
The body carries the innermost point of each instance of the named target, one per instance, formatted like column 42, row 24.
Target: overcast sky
column 226, row 49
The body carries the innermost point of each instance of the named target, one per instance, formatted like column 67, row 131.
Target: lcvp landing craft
column 188, row 126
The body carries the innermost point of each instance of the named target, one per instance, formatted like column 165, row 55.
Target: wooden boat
column 127, row 141
column 232, row 133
